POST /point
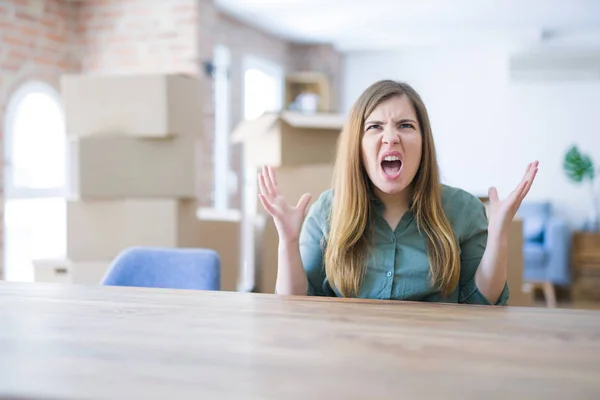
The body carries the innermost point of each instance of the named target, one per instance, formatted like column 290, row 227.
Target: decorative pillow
column 533, row 229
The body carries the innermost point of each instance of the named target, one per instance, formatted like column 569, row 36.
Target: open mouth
column 391, row 166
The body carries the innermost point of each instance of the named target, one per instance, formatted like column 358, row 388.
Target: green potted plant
column 579, row 168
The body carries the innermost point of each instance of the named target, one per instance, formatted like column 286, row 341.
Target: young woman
column 388, row 229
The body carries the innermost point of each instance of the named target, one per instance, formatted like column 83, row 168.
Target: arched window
column 35, row 180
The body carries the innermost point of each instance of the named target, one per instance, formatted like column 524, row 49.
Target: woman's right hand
column 288, row 219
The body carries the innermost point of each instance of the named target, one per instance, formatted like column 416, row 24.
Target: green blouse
column 397, row 267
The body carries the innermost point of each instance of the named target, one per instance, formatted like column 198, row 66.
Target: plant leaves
column 578, row 166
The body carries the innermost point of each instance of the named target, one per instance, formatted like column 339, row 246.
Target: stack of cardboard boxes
column 133, row 157
column 301, row 149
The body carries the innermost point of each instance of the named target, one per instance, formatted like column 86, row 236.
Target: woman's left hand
column 502, row 212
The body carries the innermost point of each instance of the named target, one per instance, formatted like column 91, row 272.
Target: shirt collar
column 378, row 203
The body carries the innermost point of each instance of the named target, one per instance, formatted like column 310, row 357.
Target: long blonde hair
column 347, row 246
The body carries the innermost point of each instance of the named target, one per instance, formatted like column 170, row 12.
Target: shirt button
column 389, row 273
column 393, row 240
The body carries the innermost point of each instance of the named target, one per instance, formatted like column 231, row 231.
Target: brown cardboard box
column 51, row 271
column 266, row 245
column 112, row 166
column 100, row 230
column 67, row 271
column 221, row 231
column 289, row 138
column 284, row 139
column 150, row 105
column 89, row 272
column 293, row 182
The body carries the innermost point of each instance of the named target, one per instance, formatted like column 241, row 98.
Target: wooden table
column 77, row 342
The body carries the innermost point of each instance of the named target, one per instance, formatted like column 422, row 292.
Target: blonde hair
column 347, row 246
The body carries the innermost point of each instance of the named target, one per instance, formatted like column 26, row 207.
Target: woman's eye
column 406, row 126
column 373, row 126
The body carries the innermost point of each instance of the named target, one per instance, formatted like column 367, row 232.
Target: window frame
column 222, row 101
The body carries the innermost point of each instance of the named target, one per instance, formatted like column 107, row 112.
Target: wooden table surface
column 78, row 342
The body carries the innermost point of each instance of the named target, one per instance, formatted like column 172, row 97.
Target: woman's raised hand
column 288, row 219
column 502, row 212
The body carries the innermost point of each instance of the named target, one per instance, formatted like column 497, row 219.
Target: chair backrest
column 174, row 268
column 534, row 214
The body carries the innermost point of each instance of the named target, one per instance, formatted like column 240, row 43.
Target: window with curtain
column 34, row 180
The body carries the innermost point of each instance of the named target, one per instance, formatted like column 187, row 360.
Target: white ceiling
column 386, row 24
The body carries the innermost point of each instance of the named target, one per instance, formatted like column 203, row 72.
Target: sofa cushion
column 533, row 229
column 534, row 253
column 534, row 215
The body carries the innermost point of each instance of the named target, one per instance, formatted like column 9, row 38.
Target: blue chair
column 174, row 268
column 546, row 248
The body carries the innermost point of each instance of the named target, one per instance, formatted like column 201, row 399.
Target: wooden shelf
column 308, row 82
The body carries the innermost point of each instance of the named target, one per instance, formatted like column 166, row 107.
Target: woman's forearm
column 490, row 277
column 291, row 276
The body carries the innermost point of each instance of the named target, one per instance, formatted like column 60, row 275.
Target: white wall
column 486, row 128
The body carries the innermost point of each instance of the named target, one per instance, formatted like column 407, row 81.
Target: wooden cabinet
column 586, row 266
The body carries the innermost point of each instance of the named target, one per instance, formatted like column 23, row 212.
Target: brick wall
column 34, row 37
column 137, row 36
column 34, row 43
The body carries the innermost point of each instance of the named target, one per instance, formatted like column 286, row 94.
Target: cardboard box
column 67, row 271
column 149, row 105
column 289, row 138
column 100, row 230
column 51, row 271
column 120, row 166
column 266, row 255
column 89, row 272
column 292, row 182
column 221, row 231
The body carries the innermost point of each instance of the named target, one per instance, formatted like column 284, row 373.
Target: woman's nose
column 390, row 137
